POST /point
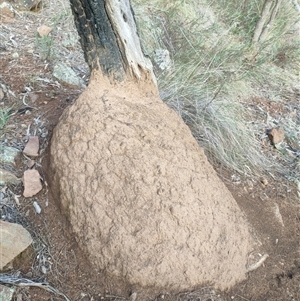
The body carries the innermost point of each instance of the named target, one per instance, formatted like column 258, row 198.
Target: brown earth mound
column 141, row 197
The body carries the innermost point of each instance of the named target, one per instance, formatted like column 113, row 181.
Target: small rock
column 293, row 114
column 133, row 296
column 44, row 30
column 6, row 13
column 33, row 97
column 15, row 55
column 32, row 147
column 67, row 75
column 37, row 207
column 1, row 94
column 264, row 181
column 14, row 239
column 7, row 177
column 30, row 163
column 8, row 154
column 276, row 135
column 162, row 59
column 32, row 183
column 6, row 293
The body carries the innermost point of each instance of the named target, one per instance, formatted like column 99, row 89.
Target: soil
column 271, row 204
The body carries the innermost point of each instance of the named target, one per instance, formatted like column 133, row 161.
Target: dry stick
column 257, row 264
column 261, row 22
column 23, row 282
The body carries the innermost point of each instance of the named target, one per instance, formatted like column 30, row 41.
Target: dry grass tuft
column 4, row 116
column 214, row 71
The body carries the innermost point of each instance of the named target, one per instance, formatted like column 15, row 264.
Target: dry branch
column 23, row 282
column 257, row 264
column 261, row 22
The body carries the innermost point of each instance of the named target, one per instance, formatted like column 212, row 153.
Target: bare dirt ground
column 37, row 100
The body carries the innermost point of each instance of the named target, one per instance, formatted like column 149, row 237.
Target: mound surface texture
column 141, row 197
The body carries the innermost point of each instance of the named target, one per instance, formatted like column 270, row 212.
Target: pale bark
column 124, row 27
column 261, row 22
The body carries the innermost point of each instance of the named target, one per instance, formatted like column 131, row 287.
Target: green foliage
column 4, row 115
column 64, row 16
column 44, row 45
column 244, row 14
column 52, row 47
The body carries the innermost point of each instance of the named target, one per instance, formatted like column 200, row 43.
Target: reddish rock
column 32, row 147
column 276, row 135
column 14, row 239
column 6, row 13
column 44, row 30
column 264, row 181
column 33, row 97
column 32, row 183
column 293, row 114
column 30, row 163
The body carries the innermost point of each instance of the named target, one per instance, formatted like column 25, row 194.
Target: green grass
column 51, row 47
column 214, row 68
column 4, row 116
column 45, row 47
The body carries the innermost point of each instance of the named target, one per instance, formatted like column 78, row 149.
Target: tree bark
column 109, row 39
column 262, row 20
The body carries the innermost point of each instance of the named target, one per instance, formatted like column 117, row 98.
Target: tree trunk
column 262, row 20
column 109, row 39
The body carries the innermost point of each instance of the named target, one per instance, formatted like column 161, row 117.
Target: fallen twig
column 257, row 264
column 23, row 282
column 114, row 296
